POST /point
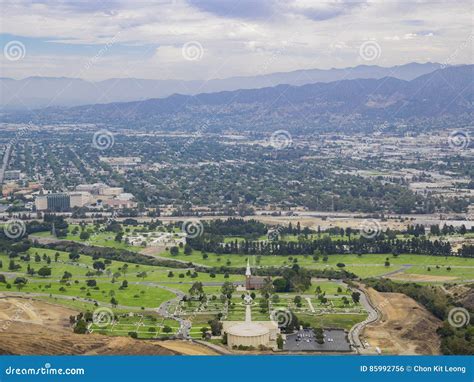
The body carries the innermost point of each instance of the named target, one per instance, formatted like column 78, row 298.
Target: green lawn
column 459, row 273
column 335, row 321
column 145, row 326
column 367, row 265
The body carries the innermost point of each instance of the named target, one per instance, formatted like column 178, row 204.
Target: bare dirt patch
column 188, row 348
column 417, row 277
column 30, row 327
column 151, row 251
column 405, row 326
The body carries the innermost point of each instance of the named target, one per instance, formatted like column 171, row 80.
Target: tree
column 204, row 331
column 280, row 285
column 216, row 327
column 119, row 237
column 167, row 329
column 267, row 288
column 114, row 302
column 280, row 341
column 98, row 265
column 20, row 282
column 44, row 272
column 84, row 235
column 74, row 256
column 227, row 289
column 124, row 284
column 188, row 250
column 319, row 334
column 174, row 251
column 196, row 290
column 12, row 266
column 355, row 297
column 80, row 327
column 3, row 279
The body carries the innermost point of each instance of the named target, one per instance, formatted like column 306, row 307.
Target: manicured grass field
column 133, row 295
column 335, row 321
column 366, row 265
column 145, row 326
column 460, row 273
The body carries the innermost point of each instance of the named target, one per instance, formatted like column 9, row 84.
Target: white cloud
column 299, row 34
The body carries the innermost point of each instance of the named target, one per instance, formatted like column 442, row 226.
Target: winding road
column 357, row 329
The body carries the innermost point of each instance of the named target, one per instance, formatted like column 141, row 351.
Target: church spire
column 248, row 273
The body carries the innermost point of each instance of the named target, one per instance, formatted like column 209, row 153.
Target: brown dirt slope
column 30, row 327
column 405, row 327
column 188, row 348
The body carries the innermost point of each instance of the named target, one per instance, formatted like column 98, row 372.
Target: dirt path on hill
column 405, row 327
column 188, row 348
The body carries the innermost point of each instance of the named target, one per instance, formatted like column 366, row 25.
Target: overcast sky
column 194, row 39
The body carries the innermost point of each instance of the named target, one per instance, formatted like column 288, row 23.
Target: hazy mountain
column 38, row 92
column 353, row 104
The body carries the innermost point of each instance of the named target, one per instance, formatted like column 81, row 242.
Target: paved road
column 164, row 310
column 356, row 330
column 401, row 270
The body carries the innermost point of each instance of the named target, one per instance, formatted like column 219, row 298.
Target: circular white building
column 248, row 334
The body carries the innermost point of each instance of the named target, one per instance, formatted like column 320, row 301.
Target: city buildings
column 97, row 194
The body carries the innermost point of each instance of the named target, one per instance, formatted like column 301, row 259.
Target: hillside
column 37, row 92
column 348, row 104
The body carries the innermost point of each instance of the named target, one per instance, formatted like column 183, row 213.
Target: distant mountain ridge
column 355, row 104
column 39, row 92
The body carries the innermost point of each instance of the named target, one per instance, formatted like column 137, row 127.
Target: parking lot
column 335, row 340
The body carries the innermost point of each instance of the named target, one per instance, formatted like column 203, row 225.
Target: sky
column 206, row 39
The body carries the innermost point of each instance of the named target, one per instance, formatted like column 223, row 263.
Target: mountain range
column 353, row 104
column 39, row 92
